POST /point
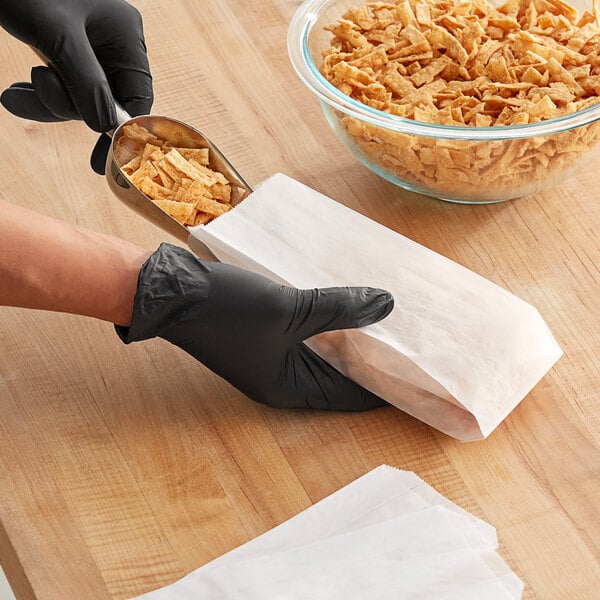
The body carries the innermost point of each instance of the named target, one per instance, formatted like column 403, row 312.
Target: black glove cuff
column 171, row 283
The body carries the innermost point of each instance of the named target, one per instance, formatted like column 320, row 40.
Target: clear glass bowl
column 459, row 164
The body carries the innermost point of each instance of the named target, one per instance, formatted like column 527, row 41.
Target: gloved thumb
column 329, row 309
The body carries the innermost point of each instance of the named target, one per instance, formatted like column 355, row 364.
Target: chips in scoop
column 178, row 180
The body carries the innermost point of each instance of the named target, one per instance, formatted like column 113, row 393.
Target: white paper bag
column 457, row 352
column 386, row 535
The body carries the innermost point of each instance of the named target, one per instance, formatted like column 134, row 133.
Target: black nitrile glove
column 250, row 330
column 96, row 51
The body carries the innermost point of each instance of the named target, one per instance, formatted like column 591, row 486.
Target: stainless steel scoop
column 178, row 134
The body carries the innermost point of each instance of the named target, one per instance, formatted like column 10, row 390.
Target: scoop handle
column 121, row 114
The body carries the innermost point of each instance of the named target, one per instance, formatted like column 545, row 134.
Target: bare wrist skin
column 50, row 265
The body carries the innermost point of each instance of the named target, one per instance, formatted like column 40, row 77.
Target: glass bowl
column 459, row 164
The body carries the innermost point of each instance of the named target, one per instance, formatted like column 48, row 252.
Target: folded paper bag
column 388, row 534
column 457, row 352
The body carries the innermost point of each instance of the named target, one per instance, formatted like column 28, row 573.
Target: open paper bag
column 457, row 352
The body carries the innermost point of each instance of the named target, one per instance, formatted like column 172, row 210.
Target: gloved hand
column 250, row 330
column 93, row 46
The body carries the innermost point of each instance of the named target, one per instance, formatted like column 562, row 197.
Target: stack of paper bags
column 457, row 352
column 386, row 535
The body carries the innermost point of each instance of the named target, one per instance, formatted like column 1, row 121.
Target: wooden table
column 123, row 468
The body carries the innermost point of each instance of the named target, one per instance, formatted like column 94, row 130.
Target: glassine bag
column 457, row 352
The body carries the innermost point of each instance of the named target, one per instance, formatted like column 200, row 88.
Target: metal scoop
column 178, row 134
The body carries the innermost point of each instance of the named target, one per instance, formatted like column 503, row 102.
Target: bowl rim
column 299, row 30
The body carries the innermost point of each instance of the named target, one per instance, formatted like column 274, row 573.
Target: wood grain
column 122, row 468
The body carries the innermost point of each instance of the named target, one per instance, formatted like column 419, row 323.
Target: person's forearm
column 51, row 265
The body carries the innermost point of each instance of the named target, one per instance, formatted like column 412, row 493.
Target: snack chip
column 467, row 63
column 178, row 180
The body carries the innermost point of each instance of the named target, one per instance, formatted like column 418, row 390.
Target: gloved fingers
column 21, row 100
column 24, row 101
column 52, row 92
column 329, row 309
column 129, row 75
column 73, row 59
column 124, row 59
column 99, row 153
column 133, row 90
column 44, row 99
column 310, row 382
